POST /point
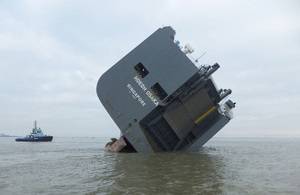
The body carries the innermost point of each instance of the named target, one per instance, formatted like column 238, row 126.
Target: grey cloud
column 53, row 52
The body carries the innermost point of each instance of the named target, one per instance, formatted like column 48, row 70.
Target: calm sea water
column 80, row 166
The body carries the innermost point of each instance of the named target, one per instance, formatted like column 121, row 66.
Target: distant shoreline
column 5, row 135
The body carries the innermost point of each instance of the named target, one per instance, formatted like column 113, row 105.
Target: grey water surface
column 81, row 166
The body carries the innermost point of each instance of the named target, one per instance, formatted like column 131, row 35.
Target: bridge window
column 159, row 91
column 141, row 70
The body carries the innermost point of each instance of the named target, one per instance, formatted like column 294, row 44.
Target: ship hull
column 161, row 100
column 35, row 139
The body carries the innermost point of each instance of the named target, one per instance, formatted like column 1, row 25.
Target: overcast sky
column 52, row 53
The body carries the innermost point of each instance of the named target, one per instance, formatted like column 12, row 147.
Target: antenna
column 200, row 56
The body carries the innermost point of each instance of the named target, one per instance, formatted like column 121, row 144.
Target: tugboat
column 35, row 136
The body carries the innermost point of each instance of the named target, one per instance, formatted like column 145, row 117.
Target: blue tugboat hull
column 35, row 139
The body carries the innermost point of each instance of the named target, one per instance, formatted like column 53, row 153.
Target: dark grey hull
column 161, row 100
column 35, row 139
